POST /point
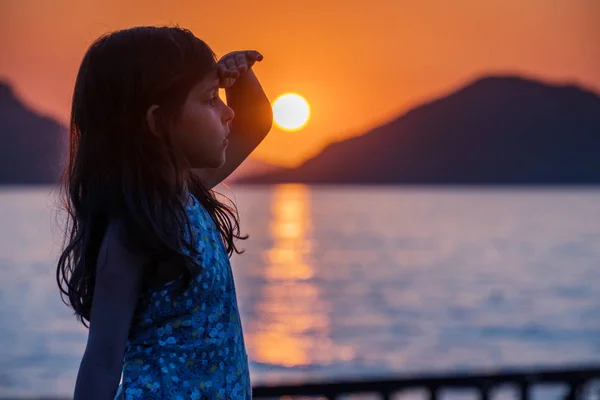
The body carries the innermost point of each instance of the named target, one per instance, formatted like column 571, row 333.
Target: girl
column 146, row 261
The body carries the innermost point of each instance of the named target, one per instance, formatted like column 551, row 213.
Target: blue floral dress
column 189, row 346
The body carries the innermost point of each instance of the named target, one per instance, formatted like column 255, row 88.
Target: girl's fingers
column 254, row 55
column 231, row 73
column 224, row 71
column 234, row 64
column 240, row 60
column 227, row 82
column 231, row 66
column 227, row 77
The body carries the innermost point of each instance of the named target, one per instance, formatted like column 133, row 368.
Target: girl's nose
column 228, row 114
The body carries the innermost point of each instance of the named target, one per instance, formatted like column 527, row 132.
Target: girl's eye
column 213, row 99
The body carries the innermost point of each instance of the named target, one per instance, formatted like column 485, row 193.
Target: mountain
column 496, row 130
column 32, row 147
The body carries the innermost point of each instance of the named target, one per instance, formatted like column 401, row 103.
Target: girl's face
column 202, row 127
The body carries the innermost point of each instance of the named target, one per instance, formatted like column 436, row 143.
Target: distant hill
column 497, row 130
column 32, row 147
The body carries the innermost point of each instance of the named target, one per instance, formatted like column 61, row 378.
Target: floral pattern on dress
column 189, row 346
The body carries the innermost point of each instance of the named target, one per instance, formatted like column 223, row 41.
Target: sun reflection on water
column 295, row 327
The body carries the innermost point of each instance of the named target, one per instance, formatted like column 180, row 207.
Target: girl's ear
column 151, row 119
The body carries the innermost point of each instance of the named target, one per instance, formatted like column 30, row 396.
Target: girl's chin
column 221, row 162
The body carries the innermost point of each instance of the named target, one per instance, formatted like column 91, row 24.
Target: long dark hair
column 118, row 171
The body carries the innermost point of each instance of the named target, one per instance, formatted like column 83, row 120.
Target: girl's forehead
column 209, row 83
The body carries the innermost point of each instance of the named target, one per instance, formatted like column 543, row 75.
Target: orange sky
column 358, row 63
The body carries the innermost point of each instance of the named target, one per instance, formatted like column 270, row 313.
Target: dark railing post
column 433, row 393
column 575, row 389
column 524, row 389
column 484, row 393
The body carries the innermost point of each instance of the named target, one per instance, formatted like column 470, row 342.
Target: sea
column 350, row 282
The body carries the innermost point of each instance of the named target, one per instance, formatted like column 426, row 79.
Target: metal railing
column 575, row 379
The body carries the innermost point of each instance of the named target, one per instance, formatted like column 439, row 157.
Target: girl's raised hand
column 233, row 65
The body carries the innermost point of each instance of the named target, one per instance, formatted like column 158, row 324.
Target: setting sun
column 290, row 111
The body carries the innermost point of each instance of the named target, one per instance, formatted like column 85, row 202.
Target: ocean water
column 350, row 282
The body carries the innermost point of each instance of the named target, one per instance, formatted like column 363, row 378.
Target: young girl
column 146, row 261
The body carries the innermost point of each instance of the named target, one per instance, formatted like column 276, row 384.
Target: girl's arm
column 253, row 116
column 118, row 282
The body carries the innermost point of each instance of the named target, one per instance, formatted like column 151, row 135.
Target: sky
column 358, row 63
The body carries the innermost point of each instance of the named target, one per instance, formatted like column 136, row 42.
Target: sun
column 290, row 111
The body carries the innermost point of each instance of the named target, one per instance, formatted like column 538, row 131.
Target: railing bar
column 484, row 383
